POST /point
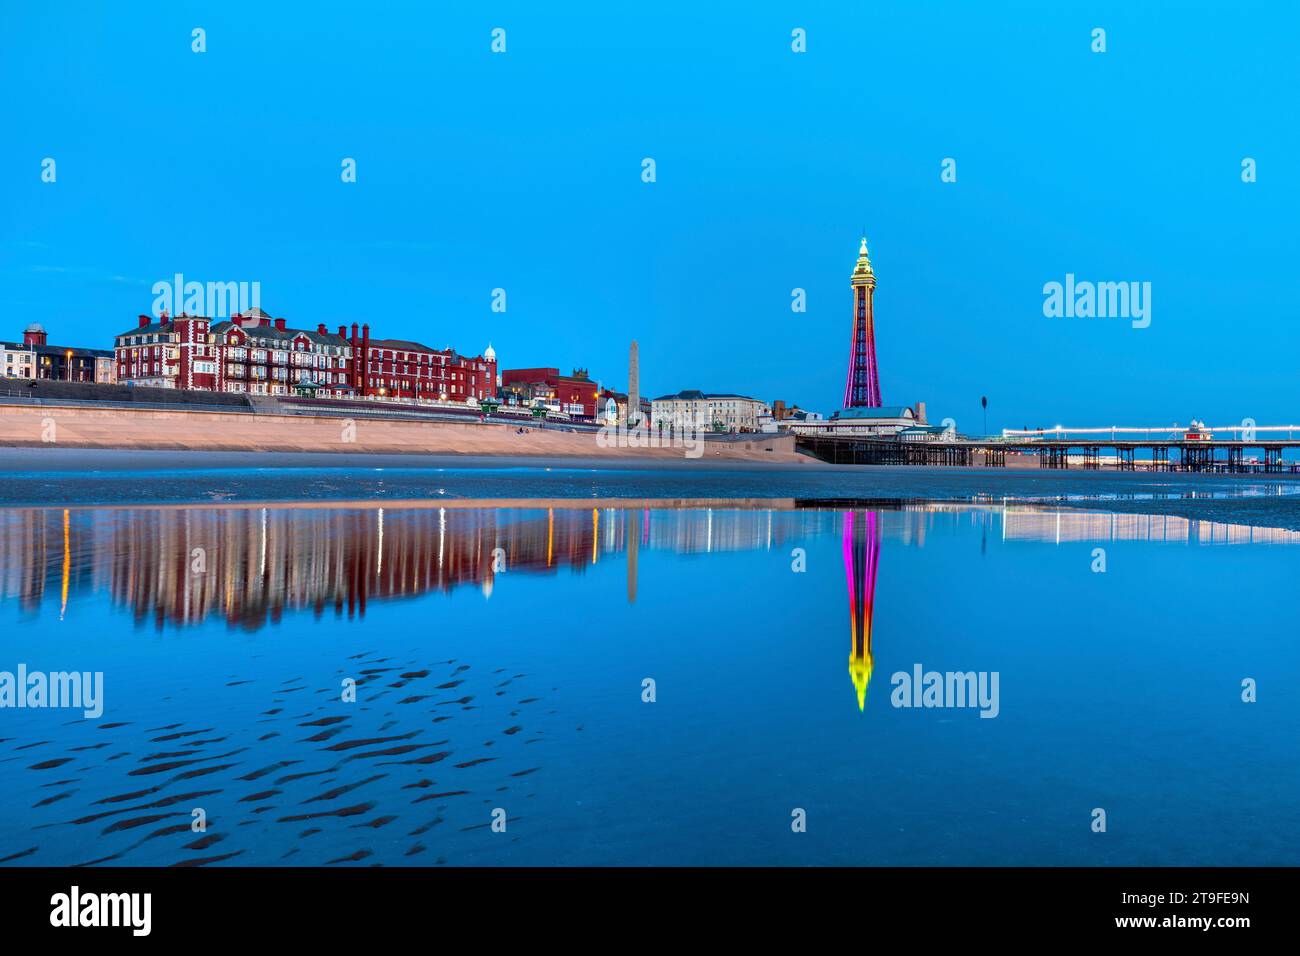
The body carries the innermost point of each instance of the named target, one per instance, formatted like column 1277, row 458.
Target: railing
column 1062, row 433
column 10, row 397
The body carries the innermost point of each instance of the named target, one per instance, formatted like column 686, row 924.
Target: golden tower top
column 862, row 274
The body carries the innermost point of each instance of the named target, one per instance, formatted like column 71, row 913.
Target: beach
column 187, row 430
column 62, row 476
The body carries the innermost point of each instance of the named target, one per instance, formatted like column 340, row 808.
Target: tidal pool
column 445, row 683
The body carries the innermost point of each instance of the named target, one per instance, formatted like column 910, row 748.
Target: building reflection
column 1061, row 526
column 248, row 566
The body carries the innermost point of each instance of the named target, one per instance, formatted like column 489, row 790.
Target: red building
column 574, row 394
column 398, row 368
column 261, row 355
column 251, row 353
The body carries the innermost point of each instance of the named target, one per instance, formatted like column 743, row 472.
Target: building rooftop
column 265, row 328
column 153, row 327
column 269, row 331
column 404, row 344
column 874, row 414
column 695, row 395
column 65, row 349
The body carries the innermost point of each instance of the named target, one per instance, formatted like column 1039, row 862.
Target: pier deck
column 1226, row 456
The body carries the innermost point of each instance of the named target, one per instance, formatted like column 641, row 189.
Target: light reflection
column 861, row 555
column 67, row 567
column 261, row 561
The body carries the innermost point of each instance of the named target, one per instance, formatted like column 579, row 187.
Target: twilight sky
column 523, row 171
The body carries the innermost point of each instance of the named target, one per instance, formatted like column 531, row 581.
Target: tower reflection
column 249, row 565
column 861, row 554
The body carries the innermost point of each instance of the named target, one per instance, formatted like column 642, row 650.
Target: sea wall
column 100, row 427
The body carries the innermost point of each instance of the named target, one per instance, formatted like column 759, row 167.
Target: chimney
column 920, row 414
column 144, row 320
column 362, row 363
column 321, row 330
column 343, row 332
column 279, row 325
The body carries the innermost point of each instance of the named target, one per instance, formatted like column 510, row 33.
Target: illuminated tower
column 861, row 552
column 863, row 388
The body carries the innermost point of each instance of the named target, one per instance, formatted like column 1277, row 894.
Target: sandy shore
column 189, row 431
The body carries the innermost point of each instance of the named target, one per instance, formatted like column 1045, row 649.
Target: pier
column 1086, row 449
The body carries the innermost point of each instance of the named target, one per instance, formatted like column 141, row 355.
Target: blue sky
column 522, row 171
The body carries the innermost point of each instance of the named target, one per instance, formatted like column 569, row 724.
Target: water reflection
column 861, row 554
column 1030, row 523
column 248, row 565
column 257, row 732
column 180, row 566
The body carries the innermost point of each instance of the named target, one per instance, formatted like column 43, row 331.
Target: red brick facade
column 398, row 368
column 257, row 354
column 575, row 394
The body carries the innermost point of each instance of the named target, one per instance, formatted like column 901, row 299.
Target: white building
column 720, row 411
column 17, row 360
column 888, row 420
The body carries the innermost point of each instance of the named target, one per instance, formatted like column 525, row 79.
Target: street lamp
column 69, row 355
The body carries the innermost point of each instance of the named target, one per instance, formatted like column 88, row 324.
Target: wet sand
column 61, row 476
column 283, row 754
column 59, row 457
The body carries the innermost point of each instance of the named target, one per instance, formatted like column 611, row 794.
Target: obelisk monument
column 633, row 388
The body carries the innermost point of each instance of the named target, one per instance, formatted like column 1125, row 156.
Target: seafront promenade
column 84, row 426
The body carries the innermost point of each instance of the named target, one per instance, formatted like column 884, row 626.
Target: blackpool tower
column 863, row 388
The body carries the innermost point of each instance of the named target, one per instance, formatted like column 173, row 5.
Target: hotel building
column 251, row 353
column 405, row 370
column 256, row 354
column 722, row 411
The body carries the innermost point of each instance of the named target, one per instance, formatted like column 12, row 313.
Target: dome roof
column 34, row 327
column 489, row 353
